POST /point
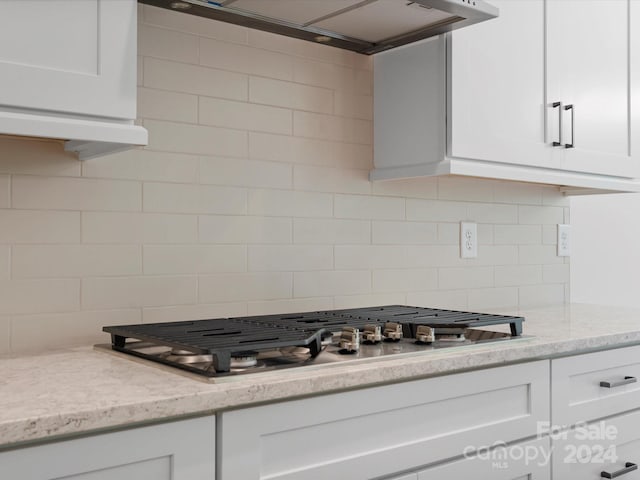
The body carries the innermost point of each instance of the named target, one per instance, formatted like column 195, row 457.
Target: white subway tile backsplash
column 245, row 173
column 57, row 193
column 487, row 299
column 329, row 179
column 534, row 295
column 244, row 116
column 35, row 226
column 5, row 262
column 331, row 231
column 538, row 255
column 323, row 284
column 171, row 45
column 290, row 258
column 66, row 329
column 447, row 299
column 5, row 335
column 289, row 203
column 514, row 275
column 181, row 77
column 492, row 213
column 540, row 215
column 202, row 311
column 165, row 105
column 196, row 139
column 356, row 257
column 186, row 198
column 366, row 206
column 293, row 305
column 517, row 234
column 194, row 25
column 114, row 228
column 252, row 197
column 436, row 211
column 310, row 151
column 245, row 59
column 405, row 280
column 5, row 191
column 404, row 233
column 244, row 287
column 422, row 187
column 244, row 229
column 57, row 261
column 465, row 277
column 129, row 292
column 369, row 300
column 296, row 96
column 330, row 127
column 177, row 259
column 39, row 296
column 38, row 157
column 139, row 164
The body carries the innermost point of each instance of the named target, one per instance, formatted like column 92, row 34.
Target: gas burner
column 187, row 357
column 244, row 359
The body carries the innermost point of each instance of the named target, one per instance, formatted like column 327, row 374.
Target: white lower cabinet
column 606, row 449
column 381, row 431
column 182, row 450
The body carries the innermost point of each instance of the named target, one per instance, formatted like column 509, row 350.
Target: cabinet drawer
column 378, row 431
column 522, row 461
column 577, row 394
column 610, row 445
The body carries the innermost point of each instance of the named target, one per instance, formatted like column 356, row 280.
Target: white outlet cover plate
column 564, row 240
column 468, row 240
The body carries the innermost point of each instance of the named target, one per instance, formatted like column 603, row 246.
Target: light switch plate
column 468, row 240
column 564, row 240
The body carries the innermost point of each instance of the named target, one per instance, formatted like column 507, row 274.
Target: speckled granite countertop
column 82, row 390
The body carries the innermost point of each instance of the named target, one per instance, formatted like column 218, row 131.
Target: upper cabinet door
column 69, row 56
column 588, row 54
column 497, row 91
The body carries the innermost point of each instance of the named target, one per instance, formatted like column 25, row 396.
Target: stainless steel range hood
column 368, row 26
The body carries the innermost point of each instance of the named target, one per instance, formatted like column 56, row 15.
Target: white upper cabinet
column 547, row 93
column 68, row 71
column 588, row 53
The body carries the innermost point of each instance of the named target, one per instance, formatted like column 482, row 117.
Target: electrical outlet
column 468, row 240
column 564, row 240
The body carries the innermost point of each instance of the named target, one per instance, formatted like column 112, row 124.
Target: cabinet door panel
column 587, row 67
column 497, row 103
column 182, row 450
column 604, row 446
column 522, row 461
column 69, row 56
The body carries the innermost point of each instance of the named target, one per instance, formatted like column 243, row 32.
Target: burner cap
column 244, row 359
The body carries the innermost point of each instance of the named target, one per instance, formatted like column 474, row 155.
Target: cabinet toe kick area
column 380, row 431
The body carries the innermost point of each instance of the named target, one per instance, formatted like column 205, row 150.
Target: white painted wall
column 605, row 259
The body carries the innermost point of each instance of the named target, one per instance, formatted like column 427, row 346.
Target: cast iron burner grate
column 225, row 338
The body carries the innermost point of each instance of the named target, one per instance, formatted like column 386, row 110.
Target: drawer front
column 522, row 461
column 577, row 394
column 378, row 431
column 611, row 446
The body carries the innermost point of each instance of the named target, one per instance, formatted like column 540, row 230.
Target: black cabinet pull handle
column 558, row 105
column 619, row 383
column 628, row 467
column 571, row 145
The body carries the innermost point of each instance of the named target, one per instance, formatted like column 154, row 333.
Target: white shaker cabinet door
column 182, row 450
column 69, row 56
column 497, row 93
column 588, row 54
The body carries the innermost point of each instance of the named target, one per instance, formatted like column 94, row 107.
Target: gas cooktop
column 232, row 346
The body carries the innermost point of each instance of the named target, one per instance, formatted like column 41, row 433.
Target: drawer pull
column 619, row 383
column 628, row 467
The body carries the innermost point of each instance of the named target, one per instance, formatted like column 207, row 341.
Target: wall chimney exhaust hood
column 368, row 26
